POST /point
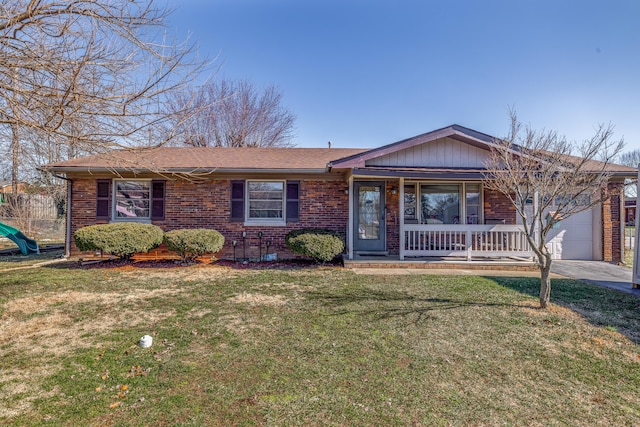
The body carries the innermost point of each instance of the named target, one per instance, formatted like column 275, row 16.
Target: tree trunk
column 545, row 284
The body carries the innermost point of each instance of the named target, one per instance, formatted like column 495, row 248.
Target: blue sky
column 364, row 73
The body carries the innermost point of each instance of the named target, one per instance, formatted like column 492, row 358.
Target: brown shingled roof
column 597, row 166
column 188, row 158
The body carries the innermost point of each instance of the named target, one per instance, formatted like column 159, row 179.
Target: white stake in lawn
column 145, row 341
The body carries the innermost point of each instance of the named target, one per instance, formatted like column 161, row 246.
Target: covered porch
column 426, row 198
column 432, row 221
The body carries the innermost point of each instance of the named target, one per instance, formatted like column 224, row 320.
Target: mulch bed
column 267, row 265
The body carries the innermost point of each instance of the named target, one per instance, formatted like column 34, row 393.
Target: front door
column 369, row 219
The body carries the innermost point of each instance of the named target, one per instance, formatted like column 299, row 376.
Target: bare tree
column 630, row 158
column 86, row 76
column 539, row 171
column 233, row 114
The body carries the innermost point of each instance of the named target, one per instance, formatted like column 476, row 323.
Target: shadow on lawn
column 391, row 304
column 600, row 306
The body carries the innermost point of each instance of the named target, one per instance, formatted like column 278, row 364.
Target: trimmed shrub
column 122, row 239
column 318, row 243
column 192, row 243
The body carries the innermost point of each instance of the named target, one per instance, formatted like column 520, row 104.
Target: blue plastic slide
column 25, row 244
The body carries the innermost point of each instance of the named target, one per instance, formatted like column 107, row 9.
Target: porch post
column 401, row 215
column 350, row 224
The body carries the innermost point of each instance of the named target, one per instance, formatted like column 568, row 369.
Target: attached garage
column 573, row 239
column 577, row 237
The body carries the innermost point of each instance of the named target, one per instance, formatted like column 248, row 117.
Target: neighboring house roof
column 596, row 166
column 185, row 159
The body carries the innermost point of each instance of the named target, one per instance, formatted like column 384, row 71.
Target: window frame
column 114, row 201
column 265, row 221
column 462, row 200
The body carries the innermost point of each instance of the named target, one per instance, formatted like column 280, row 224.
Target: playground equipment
column 25, row 244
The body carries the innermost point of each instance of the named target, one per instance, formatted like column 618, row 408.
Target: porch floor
column 440, row 263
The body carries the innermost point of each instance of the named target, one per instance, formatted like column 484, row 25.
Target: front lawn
column 311, row 346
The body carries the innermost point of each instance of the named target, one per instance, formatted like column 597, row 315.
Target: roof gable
column 463, row 136
column 444, row 152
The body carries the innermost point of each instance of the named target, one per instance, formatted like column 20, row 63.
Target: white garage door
column 573, row 239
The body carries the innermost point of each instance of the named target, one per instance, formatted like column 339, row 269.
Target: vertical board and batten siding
column 446, row 152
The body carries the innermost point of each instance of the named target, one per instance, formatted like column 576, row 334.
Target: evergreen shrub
column 321, row 244
column 122, row 239
column 192, row 243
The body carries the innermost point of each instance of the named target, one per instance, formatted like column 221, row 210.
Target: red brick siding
column 322, row 204
column 498, row 207
column 83, row 206
column 207, row 205
column 392, row 216
column 611, row 223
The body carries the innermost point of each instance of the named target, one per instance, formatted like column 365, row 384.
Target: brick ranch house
column 420, row 197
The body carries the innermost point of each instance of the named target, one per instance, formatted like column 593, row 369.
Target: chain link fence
column 38, row 216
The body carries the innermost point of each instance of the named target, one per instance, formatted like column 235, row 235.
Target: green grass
column 312, row 347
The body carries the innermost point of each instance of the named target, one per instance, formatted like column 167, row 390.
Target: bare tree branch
column 94, row 74
column 83, row 77
column 540, row 170
column 233, row 114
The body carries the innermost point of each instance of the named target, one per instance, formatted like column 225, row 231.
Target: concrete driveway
column 597, row 272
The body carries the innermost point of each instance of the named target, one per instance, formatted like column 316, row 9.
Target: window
column 474, row 212
column 410, row 214
column 443, row 203
column 579, row 200
column 440, row 204
column 131, row 200
column 265, row 201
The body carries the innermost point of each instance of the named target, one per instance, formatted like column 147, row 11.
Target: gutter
column 185, row 170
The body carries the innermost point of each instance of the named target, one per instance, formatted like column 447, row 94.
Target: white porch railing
column 465, row 240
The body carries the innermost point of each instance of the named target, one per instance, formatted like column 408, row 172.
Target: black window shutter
column 103, row 199
column 237, row 200
column 157, row 199
column 293, row 201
